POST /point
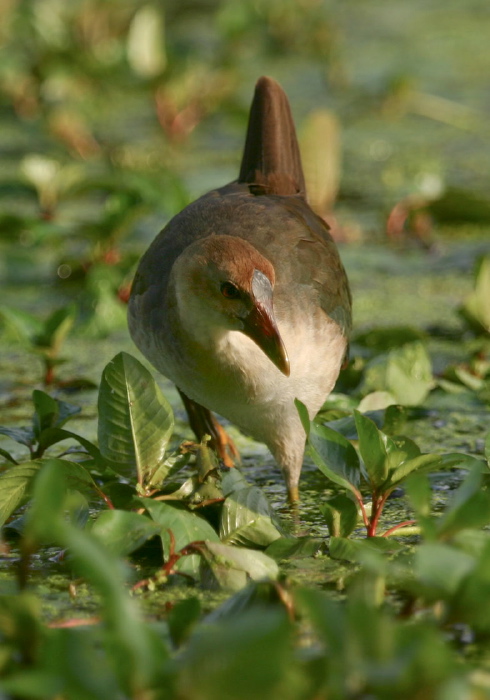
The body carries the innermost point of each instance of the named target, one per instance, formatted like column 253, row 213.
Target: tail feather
column 271, row 159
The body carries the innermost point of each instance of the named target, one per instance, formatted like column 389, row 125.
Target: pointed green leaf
column 247, row 519
column 50, row 412
column 426, row 463
column 135, row 420
column 304, row 415
column 373, row 446
column 334, row 456
column 340, row 514
column 14, row 484
column 24, row 436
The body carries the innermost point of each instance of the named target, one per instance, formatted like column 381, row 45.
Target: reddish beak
column 260, row 324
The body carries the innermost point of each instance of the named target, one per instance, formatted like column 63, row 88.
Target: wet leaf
column 247, row 519
column 135, row 420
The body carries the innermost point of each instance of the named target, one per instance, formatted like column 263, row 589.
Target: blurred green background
column 114, row 114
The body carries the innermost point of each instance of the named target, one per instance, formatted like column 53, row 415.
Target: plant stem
column 393, row 529
column 378, row 505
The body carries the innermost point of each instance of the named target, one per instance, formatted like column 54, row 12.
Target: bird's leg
column 203, row 423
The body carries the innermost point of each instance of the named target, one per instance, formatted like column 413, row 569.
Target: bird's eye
column 229, row 291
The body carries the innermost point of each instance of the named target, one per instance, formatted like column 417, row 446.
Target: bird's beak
column 260, row 324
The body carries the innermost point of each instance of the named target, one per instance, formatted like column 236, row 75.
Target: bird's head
column 227, row 284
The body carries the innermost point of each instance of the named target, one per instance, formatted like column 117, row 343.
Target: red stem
column 105, row 498
column 358, row 498
column 406, row 523
column 75, row 622
column 378, row 505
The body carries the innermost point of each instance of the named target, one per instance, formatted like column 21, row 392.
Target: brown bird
column 242, row 299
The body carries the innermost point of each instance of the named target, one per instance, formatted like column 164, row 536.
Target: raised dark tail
column 271, row 162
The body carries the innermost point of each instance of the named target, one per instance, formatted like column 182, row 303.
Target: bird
column 242, row 299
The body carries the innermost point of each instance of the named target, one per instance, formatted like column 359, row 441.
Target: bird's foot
column 203, row 423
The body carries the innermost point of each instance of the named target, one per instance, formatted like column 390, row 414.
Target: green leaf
column 373, row 448
column 25, row 325
column 247, row 519
column 243, row 657
column 469, row 507
column 406, row 373
column 231, row 568
column 14, row 485
column 233, row 480
column 442, row 568
column 294, row 548
column 44, row 515
column 24, row 436
column 6, row 455
column 303, row 415
column 186, row 527
column 426, row 463
column 334, row 456
column 182, row 618
column 360, row 550
column 50, row 412
column 340, row 514
column 135, row 420
column 136, row 653
column 476, row 307
column 123, row 532
column 379, row 340
column 55, row 329
column 51, row 436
